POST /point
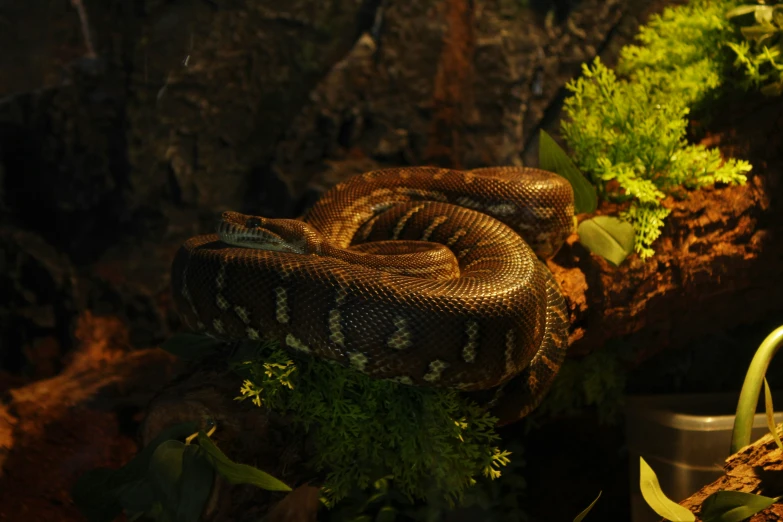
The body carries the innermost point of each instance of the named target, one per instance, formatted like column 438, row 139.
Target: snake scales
column 421, row 275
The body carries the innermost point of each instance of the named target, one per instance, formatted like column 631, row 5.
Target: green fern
column 682, row 51
column 627, row 129
column 365, row 429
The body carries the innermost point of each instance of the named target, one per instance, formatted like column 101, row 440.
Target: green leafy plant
column 760, row 56
column 728, row 506
column 721, row 506
column 751, row 388
column 770, row 414
column 553, row 158
column 608, row 236
column 657, row 500
column 433, row 442
column 168, row 481
column 733, row 506
column 497, row 500
column 605, row 236
column 627, row 129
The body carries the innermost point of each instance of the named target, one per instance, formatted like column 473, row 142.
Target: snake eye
column 253, row 222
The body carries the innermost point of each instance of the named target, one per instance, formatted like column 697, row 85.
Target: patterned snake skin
column 425, row 276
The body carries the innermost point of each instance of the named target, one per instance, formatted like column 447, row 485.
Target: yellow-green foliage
column 761, row 55
column 682, row 51
column 433, row 442
column 629, row 126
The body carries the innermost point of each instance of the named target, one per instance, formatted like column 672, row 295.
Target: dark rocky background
column 128, row 126
column 109, row 161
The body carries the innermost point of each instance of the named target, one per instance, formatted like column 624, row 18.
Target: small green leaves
column 627, row 128
column 760, row 54
column 655, row 498
column 608, row 237
column 605, row 236
column 733, row 506
column 191, row 346
column 167, row 481
column 238, row 473
column 553, row 158
column 743, row 10
column 770, row 411
column 584, row 513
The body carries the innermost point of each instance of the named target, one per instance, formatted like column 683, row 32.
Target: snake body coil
column 421, row 275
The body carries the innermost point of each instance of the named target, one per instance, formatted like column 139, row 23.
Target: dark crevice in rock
column 553, row 111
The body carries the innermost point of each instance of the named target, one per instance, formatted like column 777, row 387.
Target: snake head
column 280, row 235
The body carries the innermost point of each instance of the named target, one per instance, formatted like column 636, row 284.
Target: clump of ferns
column 627, row 127
column 366, row 429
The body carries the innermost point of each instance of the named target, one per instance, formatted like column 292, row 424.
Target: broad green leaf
column 655, row 498
column 191, row 346
column 584, row 513
column 239, row 473
column 741, row 10
column 166, row 472
column 198, row 475
column 757, row 32
column 96, row 492
column 733, row 506
column 763, row 14
column 608, row 237
column 770, row 411
column 138, row 467
column 553, row 158
column 137, row 496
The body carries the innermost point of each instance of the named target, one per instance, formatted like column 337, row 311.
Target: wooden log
column 756, row 468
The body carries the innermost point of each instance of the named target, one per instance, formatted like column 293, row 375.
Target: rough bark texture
column 756, row 468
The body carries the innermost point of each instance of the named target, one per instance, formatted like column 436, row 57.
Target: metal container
column 685, row 439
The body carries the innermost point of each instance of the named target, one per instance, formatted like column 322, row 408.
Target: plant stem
column 749, row 396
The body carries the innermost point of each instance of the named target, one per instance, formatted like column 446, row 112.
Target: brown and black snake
column 425, row 276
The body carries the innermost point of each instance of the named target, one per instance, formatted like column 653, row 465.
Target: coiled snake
column 421, row 275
